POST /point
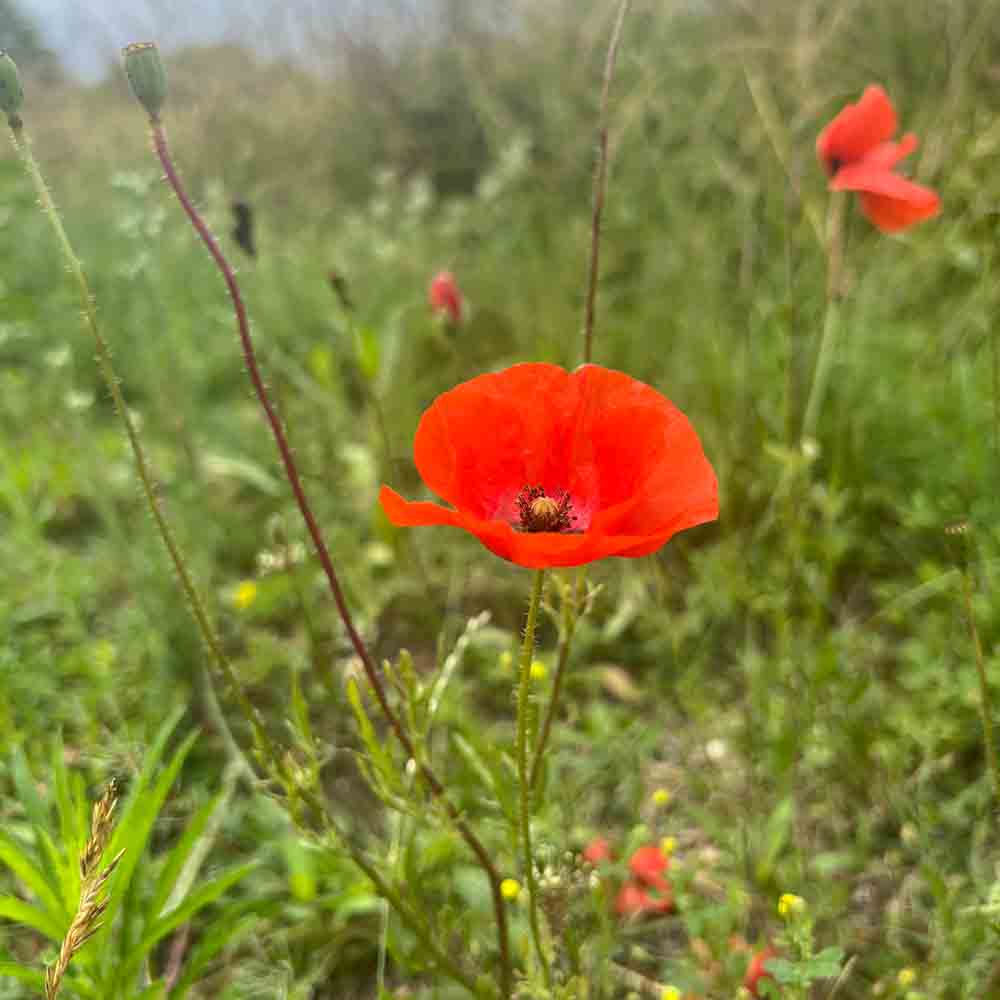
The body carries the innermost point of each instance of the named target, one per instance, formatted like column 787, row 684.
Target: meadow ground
column 791, row 693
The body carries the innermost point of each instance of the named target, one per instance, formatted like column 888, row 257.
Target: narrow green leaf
column 158, row 929
column 12, row 908
column 26, row 789
column 136, row 825
column 227, row 928
column 182, row 850
column 32, row 977
column 13, row 855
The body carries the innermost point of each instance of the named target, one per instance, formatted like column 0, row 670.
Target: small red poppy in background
column 445, row 297
column 858, row 152
column 554, row 468
column 598, row 851
column 756, row 971
column 648, row 892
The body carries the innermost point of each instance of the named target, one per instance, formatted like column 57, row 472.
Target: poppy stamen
column 537, row 511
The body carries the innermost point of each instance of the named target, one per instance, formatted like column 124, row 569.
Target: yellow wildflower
column 790, row 905
column 510, row 888
column 246, row 594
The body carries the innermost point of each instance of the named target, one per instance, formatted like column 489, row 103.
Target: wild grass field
column 792, row 694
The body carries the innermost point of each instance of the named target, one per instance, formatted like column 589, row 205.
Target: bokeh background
column 800, row 675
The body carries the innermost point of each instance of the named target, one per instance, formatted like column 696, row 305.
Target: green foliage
column 800, row 676
column 151, row 894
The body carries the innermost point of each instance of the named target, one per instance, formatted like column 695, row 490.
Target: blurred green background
column 801, row 674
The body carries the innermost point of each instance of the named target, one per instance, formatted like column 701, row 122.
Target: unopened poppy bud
column 11, row 93
column 445, row 297
column 146, row 76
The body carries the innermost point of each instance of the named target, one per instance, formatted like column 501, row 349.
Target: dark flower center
column 537, row 511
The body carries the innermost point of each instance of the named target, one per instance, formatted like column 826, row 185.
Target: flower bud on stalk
column 146, row 76
column 11, row 92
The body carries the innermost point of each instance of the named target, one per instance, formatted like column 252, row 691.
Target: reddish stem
column 292, row 474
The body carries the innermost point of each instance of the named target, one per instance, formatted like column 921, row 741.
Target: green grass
column 800, row 675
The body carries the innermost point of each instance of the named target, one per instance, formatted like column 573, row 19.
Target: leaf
column 368, row 352
column 19, row 862
column 492, row 772
column 231, row 924
column 158, row 929
column 387, row 778
column 12, row 908
column 34, row 978
column 136, row 823
column 188, row 853
column 26, row 789
column 826, row 964
column 243, row 471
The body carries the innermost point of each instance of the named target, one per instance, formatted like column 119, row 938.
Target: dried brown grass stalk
column 87, row 920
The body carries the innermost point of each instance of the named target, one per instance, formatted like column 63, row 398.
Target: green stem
column 831, row 321
column 294, row 479
column 600, row 186
column 985, row 704
column 570, row 616
column 111, row 380
column 523, row 695
column 995, row 352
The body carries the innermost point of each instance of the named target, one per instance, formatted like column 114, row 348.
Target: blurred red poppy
column 445, row 297
column 635, row 901
column 756, row 971
column 597, row 851
column 858, row 152
column 553, row 468
column 648, row 891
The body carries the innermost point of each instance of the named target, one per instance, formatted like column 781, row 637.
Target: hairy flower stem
column 985, row 702
column 523, row 695
column 831, row 321
column 567, row 628
column 600, row 186
column 323, row 553
column 112, row 382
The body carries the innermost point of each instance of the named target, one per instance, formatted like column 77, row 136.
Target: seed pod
column 146, row 75
column 11, row 93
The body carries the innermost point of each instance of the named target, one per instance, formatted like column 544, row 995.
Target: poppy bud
column 146, row 76
column 445, row 298
column 11, row 94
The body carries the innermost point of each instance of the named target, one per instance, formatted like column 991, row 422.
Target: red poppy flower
column 648, row 864
column 633, row 900
column 857, row 150
column 553, row 468
column 597, row 851
column 445, row 297
column 756, row 971
column 648, row 891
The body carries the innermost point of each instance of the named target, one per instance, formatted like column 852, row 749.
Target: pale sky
column 88, row 35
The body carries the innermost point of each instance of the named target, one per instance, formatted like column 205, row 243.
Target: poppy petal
column 888, row 154
column 892, row 215
column 889, row 201
column 480, row 443
column 857, row 129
